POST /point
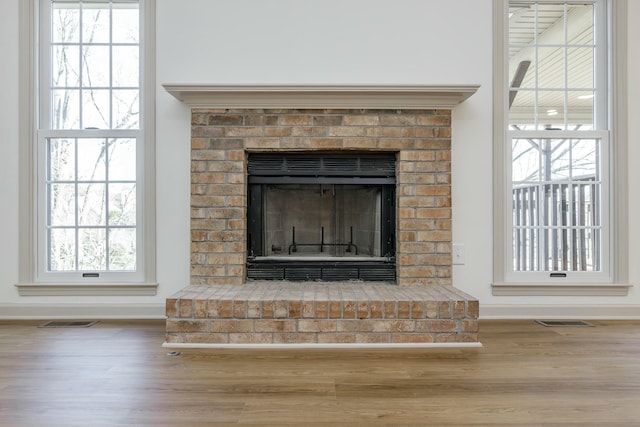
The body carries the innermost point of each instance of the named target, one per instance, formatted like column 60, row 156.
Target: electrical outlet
column 458, row 254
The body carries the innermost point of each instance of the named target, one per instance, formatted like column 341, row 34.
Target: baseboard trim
column 561, row 289
column 83, row 289
column 81, row 311
column 317, row 346
column 560, row 312
column 10, row 311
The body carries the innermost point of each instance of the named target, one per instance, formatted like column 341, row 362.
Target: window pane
column 557, row 156
column 580, row 72
column 62, row 249
column 65, row 66
column 125, row 66
column 125, row 23
column 525, row 160
column 95, row 66
column 62, row 160
column 550, row 71
column 92, row 249
column 122, row 204
column 122, row 160
column 580, row 24
column 549, row 16
column 585, row 154
column 522, row 70
column 584, row 199
column 95, row 23
column 551, row 110
column 522, row 114
column 66, row 23
column 580, row 114
column 122, row 249
column 65, row 112
column 92, row 204
column 62, row 204
column 95, row 109
column 91, row 160
column 126, row 109
column 525, row 249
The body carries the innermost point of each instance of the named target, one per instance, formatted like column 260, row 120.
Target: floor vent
column 69, row 324
column 552, row 323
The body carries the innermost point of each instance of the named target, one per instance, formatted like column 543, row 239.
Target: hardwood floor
column 117, row 374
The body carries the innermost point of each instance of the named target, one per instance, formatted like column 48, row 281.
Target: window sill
column 79, row 289
column 560, row 289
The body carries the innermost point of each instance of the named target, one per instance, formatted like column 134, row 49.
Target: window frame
column 33, row 279
column 613, row 279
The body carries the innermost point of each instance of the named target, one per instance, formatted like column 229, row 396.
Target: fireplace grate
column 378, row 275
column 262, row 273
column 322, row 271
column 303, row 274
column 338, row 274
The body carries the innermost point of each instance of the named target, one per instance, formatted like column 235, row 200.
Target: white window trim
column 619, row 265
column 28, row 283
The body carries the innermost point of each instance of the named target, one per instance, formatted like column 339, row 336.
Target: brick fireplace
column 419, row 304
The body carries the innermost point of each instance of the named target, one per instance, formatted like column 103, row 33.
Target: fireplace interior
column 321, row 216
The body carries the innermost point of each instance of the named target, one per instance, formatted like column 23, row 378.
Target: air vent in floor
column 552, row 323
column 69, row 324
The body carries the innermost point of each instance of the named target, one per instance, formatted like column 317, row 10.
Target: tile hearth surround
column 220, row 307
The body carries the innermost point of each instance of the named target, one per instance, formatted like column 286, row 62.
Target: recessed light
column 586, row 96
column 552, row 112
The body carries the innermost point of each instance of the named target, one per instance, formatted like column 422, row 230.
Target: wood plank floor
column 116, row 373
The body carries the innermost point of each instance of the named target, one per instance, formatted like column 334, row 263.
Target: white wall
column 634, row 148
column 8, row 149
column 315, row 42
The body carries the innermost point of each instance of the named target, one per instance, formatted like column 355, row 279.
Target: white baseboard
column 560, row 312
column 81, row 311
column 157, row 311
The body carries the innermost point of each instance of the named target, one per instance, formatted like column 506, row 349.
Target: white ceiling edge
column 321, row 96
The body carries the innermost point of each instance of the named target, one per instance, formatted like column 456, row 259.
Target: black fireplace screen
column 323, row 216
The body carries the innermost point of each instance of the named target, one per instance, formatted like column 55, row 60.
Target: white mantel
column 321, row 96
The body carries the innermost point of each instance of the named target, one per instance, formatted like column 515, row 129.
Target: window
column 558, row 139
column 555, row 185
column 93, row 169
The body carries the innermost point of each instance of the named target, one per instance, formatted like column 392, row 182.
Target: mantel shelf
column 322, row 96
